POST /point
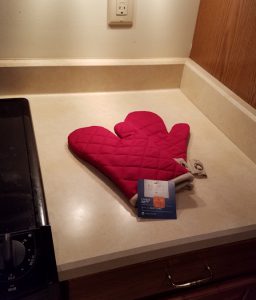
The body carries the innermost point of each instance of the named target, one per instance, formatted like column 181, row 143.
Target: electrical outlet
column 121, row 8
column 120, row 13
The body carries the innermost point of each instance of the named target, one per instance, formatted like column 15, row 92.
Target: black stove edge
column 36, row 177
column 41, row 213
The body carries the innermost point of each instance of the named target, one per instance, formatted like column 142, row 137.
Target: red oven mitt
column 174, row 142
column 127, row 158
column 152, row 126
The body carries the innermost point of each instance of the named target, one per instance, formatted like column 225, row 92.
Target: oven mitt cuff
column 184, row 181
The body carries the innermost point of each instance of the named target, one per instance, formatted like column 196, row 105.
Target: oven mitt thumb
column 124, row 159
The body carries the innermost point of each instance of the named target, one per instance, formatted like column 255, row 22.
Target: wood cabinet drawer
column 124, row 283
column 168, row 274
column 241, row 288
column 213, row 263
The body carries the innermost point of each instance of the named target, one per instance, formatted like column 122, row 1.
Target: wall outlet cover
column 120, row 13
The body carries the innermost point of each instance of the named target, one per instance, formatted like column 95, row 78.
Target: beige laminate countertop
column 93, row 228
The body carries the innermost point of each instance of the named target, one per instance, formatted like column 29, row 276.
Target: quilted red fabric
column 151, row 125
column 143, row 149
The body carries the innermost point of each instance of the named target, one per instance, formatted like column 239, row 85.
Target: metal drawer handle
column 192, row 283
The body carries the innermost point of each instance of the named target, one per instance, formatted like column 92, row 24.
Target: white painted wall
column 78, row 29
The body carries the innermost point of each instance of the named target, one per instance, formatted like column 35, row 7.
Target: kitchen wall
column 225, row 45
column 78, row 29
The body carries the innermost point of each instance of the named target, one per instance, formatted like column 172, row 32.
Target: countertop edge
column 111, row 261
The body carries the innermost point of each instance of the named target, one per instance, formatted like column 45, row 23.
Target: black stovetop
column 22, row 204
column 27, row 261
column 16, row 205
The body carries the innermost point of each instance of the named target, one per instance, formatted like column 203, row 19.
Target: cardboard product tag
column 197, row 168
column 156, row 199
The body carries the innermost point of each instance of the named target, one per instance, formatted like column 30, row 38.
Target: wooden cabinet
column 242, row 288
column 221, row 272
